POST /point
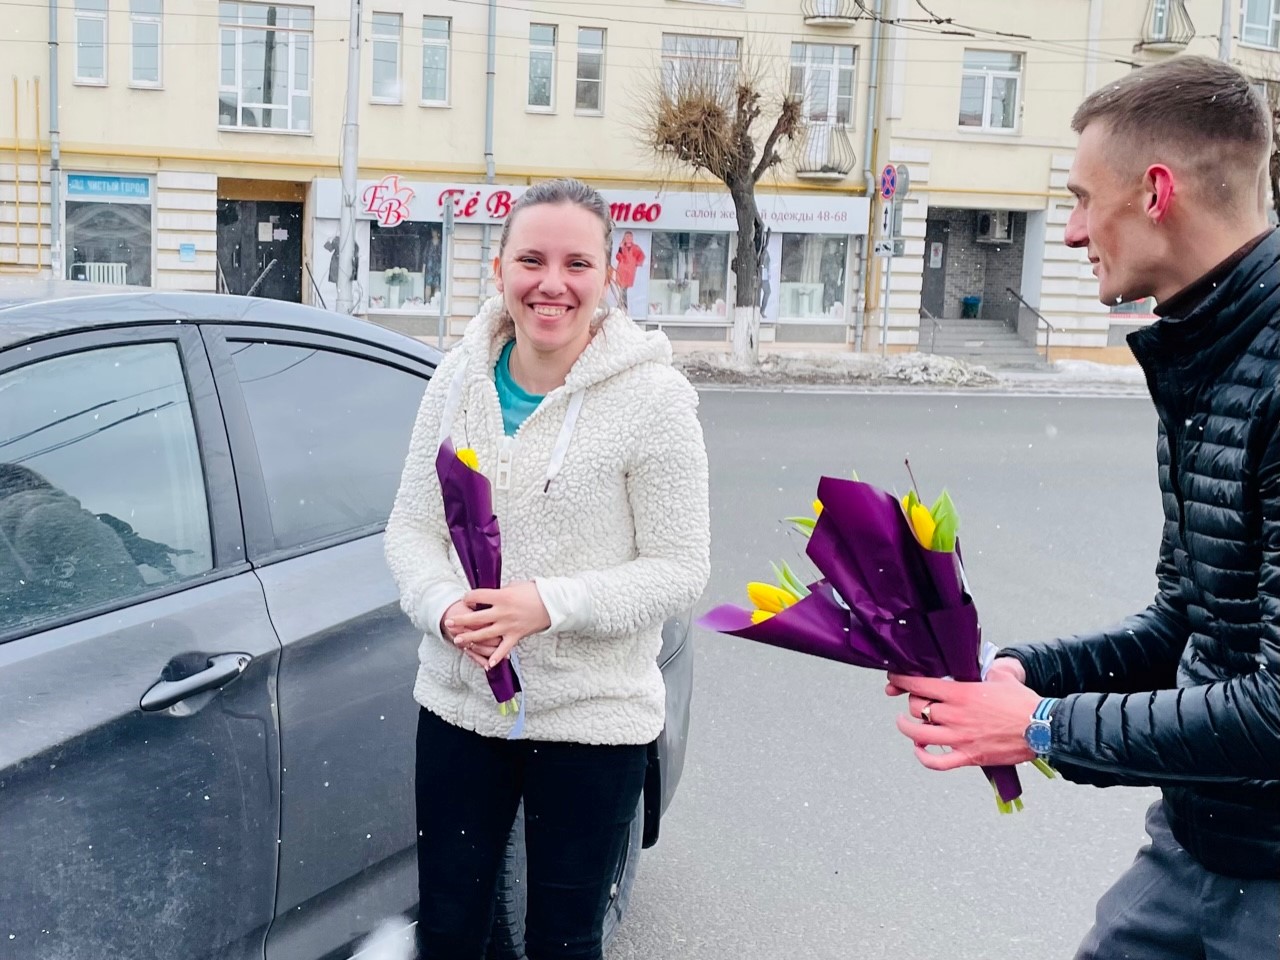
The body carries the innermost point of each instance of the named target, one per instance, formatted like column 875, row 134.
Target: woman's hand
column 491, row 622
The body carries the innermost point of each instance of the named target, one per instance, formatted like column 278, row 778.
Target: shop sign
column 393, row 200
column 105, row 187
column 388, row 201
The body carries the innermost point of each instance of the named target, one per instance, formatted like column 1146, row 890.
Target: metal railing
column 825, row 152
column 1049, row 328
column 933, row 326
column 1168, row 26
column 832, row 12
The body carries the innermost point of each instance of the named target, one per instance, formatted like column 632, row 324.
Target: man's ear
column 1158, row 186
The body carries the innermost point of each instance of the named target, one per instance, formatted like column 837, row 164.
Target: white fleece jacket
column 615, row 532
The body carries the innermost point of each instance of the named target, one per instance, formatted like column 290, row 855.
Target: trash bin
column 969, row 307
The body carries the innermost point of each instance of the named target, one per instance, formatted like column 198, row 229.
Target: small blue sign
column 104, row 187
column 187, row 252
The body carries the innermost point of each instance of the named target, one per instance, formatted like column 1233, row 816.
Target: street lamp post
column 350, row 153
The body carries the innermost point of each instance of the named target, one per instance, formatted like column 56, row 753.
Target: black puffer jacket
column 1186, row 694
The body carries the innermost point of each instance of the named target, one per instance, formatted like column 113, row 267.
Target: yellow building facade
column 198, row 147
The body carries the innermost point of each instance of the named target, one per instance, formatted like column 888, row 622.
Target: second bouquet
column 893, row 595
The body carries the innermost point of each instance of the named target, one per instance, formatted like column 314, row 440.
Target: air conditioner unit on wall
column 995, row 226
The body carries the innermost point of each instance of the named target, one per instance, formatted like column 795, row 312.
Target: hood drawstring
column 561, row 448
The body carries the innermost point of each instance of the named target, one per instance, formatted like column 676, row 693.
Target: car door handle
column 222, row 669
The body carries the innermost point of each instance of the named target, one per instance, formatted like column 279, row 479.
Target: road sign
column 904, row 180
column 884, row 248
column 888, row 181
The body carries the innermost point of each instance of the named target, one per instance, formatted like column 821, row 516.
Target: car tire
column 506, row 942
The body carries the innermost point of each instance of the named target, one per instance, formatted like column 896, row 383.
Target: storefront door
column 260, row 248
column 933, row 292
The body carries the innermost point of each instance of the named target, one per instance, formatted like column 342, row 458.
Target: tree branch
column 784, row 126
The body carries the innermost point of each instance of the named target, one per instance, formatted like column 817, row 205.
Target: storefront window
column 689, row 275
column 109, row 237
column 813, row 276
column 405, row 267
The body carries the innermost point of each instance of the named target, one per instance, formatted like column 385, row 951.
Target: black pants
column 579, row 802
column 1168, row 907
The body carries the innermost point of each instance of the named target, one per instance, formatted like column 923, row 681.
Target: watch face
column 1039, row 737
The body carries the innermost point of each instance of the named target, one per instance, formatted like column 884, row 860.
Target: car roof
column 38, row 319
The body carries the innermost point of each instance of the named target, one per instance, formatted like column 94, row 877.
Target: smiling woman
column 590, row 442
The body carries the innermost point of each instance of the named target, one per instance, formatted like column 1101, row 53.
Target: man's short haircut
column 1203, row 110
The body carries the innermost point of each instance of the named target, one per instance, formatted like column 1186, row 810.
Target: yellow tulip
column 922, row 523
column 468, row 456
column 760, row 616
column 769, row 598
column 817, row 508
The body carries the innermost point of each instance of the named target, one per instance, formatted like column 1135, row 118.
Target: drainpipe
column 868, row 161
column 55, row 152
column 489, row 79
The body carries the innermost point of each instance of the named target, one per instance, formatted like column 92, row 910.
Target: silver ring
column 924, row 711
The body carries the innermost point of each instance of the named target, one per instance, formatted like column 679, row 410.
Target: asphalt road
column 804, row 827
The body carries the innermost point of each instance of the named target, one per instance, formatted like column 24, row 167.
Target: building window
column 689, row 275
column 406, row 264
column 1260, row 23
column 91, row 41
column 822, row 78
column 435, row 60
column 108, row 226
column 690, row 62
column 813, row 276
column 989, row 89
column 542, row 66
column 589, row 90
column 386, row 57
column 145, row 18
column 1160, row 20
column 265, row 75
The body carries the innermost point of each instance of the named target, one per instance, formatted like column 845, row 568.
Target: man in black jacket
column 1170, row 178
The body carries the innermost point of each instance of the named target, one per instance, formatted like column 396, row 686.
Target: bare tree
column 706, row 116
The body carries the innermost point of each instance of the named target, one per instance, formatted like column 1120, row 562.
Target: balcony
column 1168, row 27
column 825, row 152
column 831, row 13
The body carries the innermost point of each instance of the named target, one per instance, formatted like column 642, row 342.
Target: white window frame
column 542, row 49
column 434, row 43
column 384, row 43
column 84, row 15
column 294, row 36
column 1249, row 30
column 588, row 51
column 803, row 66
column 137, row 19
column 989, row 77
column 681, row 53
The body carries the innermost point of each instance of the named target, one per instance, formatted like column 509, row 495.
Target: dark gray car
column 206, row 719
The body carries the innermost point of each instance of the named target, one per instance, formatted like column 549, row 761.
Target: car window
column 331, row 430
column 101, row 490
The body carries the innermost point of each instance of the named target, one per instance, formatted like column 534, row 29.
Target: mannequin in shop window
column 431, row 257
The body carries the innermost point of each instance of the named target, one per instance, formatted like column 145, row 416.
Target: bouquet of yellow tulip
column 893, row 595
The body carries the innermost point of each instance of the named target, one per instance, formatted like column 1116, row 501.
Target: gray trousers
column 1168, row 907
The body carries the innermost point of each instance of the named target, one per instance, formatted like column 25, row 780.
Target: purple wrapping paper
column 468, row 511
column 905, row 608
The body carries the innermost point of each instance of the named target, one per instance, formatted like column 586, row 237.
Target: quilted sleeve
column 1139, row 653
column 1224, row 731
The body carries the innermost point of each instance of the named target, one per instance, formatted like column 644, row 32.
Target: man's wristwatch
column 1039, row 732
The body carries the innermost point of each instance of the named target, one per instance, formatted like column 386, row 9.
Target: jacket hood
column 618, row 345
